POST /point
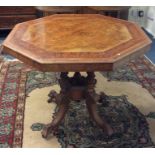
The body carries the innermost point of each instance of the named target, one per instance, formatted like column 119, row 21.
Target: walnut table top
column 85, row 42
column 76, row 42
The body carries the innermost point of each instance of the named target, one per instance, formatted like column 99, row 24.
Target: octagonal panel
column 81, row 34
column 76, row 42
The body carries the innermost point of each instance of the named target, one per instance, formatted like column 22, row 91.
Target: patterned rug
column 130, row 126
column 132, row 130
column 140, row 71
column 77, row 129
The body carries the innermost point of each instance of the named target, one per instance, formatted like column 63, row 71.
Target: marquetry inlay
column 76, row 42
column 82, row 34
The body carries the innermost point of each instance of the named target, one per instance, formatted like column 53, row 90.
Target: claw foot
column 48, row 130
column 102, row 99
column 52, row 96
column 109, row 130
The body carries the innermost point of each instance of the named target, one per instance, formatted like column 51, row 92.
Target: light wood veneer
column 76, row 42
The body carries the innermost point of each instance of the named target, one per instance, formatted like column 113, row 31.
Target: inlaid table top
column 76, row 42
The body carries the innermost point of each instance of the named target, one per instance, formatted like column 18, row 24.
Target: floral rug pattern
column 37, row 79
column 18, row 80
column 11, row 104
column 130, row 126
column 78, row 130
column 140, row 71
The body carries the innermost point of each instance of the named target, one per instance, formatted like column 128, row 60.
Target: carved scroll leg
column 92, row 109
column 52, row 127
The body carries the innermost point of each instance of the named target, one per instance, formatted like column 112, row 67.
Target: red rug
column 12, row 103
column 16, row 80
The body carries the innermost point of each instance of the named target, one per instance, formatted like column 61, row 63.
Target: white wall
column 134, row 15
column 150, row 20
column 147, row 21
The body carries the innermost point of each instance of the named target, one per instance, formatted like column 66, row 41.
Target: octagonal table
column 76, row 42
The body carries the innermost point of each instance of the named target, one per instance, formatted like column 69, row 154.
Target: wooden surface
column 72, row 35
column 109, row 8
column 43, row 11
column 17, row 10
column 64, row 9
column 8, row 22
column 11, row 15
column 76, row 88
column 113, row 11
column 77, row 42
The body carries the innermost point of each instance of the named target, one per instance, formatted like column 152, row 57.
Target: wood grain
column 76, row 42
column 81, row 34
column 109, row 8
column 17, row 10
column 9, row 21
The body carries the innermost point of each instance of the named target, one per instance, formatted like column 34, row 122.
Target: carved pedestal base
column 76, row 88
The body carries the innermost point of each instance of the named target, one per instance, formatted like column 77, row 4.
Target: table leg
column 76, row 88
column 64, row 84
column 92, row 109
column 91, row 98
column 62, row 110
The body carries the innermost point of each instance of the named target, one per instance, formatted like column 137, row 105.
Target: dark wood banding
column 100, row 46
